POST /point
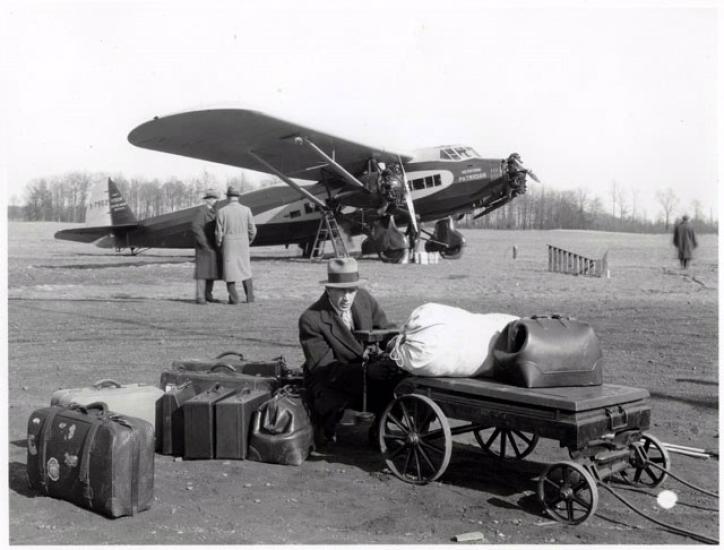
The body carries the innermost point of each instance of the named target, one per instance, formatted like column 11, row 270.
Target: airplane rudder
column 121, row 213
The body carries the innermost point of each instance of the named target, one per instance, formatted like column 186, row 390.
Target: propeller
column 408, row 197
column 516, row 163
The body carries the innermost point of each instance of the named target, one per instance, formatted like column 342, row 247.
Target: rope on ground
column 677, row 478
column 672, row 528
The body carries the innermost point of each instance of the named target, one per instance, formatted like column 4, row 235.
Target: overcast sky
column 586, row 95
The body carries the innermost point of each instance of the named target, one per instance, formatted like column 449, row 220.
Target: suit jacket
column 331, row 351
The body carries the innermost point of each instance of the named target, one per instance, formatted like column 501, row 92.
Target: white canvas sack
column 440, row 340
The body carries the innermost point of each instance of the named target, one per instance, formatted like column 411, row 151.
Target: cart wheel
column 506, row 443
column 647, row 449
column 568, row 492
column 415, row 439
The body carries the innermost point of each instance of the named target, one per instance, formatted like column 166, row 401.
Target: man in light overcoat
column 208, row 258
column 235, row 231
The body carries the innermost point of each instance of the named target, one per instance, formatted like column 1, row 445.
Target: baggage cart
column 603, row 428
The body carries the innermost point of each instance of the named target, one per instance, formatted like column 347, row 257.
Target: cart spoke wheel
column 568, row 492
column 641, row 473
column 506, row 443
column 415, row 439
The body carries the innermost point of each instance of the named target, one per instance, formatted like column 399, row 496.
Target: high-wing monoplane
column 355, row 187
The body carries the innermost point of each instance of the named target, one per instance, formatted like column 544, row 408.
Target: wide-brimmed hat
column 210, row 194
column 342, row 273
column 232, row 191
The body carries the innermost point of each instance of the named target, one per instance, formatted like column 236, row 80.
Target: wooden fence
column 563, row 261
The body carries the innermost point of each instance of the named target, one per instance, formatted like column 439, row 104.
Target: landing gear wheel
column 392, row 256
column 642, row 474
column 568, row 492
column 415, row 439
column 452, row 253
column 506, row 443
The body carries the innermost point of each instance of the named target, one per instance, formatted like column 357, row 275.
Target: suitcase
column 545, row 352
column 199, row 421
column 170, row 419
column 233, row 421
column 281, row 431
column 92, row 457
column 137, row 400
column 276, row 368
column 204, row 377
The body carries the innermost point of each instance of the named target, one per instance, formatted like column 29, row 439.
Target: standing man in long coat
column 208, row 258
column 685, row 241
column 235, row 230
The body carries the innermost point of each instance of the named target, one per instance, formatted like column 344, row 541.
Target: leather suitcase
column 545, row 352
column 170, row 419
column 281, row 430
column 199, row 421
column 275, row 368
column 204, row 377
column 137, row 400
column 92, row 457
column 233, row 421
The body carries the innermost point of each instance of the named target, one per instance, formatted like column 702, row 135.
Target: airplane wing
column 90, row 234
column 228, row 135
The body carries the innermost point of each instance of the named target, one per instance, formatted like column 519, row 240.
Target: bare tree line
column 544, row 208
column 63, row 199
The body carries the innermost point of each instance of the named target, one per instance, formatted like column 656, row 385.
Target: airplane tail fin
column 107, row 214
column 107, row 207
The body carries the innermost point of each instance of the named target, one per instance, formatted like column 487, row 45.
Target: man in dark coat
column 208, row 258
column 333, row 357
column 684, row 241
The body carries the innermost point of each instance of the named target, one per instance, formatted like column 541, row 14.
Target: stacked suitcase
column 94, row 446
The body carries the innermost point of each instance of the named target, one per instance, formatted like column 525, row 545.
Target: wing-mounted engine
column 512, row 184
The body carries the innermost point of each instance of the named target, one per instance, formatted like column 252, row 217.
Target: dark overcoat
column 333, row 357
column 208, row 258
column 685, row 240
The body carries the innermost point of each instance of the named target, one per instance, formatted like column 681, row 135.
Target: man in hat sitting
column 333, row 370
column 208, row 258
column 235, row 230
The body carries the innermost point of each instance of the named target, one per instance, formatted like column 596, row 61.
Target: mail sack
column 441, row 340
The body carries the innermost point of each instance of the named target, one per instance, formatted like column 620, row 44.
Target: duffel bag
column 548, row 351
column 92, row 457
column 281, row 429
column 440, row 340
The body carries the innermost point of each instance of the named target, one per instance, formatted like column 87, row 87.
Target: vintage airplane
column 362, row 189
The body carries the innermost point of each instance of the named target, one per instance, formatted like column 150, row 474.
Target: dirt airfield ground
column 77, row 314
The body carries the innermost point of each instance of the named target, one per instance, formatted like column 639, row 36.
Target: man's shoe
column 214, row 301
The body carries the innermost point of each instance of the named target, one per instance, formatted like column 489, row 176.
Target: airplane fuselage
column 439, row 189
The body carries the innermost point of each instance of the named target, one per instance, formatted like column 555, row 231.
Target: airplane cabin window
column 437, row 180
column 452, row 154
column 444, row 155
column 418, row 184
column 428, row 181
column 308, row 208
column 295, row 213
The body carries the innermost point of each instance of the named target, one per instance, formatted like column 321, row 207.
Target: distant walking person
column 208, row 258
column 235, row 230
column 685, row 241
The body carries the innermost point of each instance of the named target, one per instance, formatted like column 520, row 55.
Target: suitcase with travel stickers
column 92, row 457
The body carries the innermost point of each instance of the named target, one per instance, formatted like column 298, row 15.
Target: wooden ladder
column 328, row 230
